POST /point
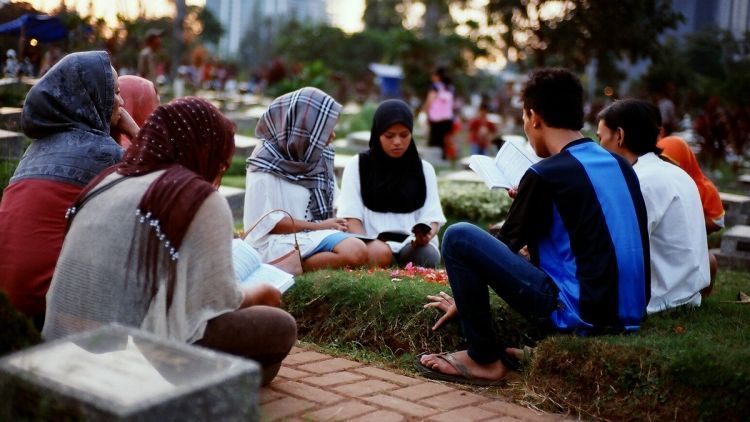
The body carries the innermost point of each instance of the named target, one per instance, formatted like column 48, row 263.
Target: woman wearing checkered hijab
column 292, row 170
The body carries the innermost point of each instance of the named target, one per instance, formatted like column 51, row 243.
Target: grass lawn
column 691, row 363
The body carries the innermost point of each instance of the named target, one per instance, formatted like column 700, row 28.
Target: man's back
column 679, row 251
column 583, row 218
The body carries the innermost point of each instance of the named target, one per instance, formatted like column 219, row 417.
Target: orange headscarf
column 140, row 100
column 677, row 150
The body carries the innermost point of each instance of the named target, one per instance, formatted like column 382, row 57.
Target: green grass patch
column 233, row 181
column 688, row 363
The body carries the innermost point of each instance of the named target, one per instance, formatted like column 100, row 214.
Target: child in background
column 481, row 131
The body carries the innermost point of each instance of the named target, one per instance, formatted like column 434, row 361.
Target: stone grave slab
column 125, row 374
column 735, row 248
column 736, row 207
column 433, row 155
column 359, row 139
column 244, row 145
column 463, row 163
column 339, row 162
column 10, row 118
column 465, row 176
column 236, row 199
column 11, row 145
column 246, row 120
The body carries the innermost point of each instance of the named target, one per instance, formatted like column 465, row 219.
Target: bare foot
column 493, row 371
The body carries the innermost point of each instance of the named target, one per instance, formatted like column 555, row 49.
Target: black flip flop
column 464, row 378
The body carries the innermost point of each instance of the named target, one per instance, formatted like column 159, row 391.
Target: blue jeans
column 474, row 260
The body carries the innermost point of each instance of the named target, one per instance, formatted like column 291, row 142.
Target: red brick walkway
column 312, row 386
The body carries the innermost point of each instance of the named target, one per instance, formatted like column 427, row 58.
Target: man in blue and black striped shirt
column 580, row 213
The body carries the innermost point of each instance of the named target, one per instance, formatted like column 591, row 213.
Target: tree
column 383, row 15
column 573, row 32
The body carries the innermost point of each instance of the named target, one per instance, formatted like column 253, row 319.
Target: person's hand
column 125, row 124
column 524, row 252
column 445, row 303
column 512, row 192
column 262, row 294
column 335, row 224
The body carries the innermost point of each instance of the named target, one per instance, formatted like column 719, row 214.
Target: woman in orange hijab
column 677, row 150
column 140, row 98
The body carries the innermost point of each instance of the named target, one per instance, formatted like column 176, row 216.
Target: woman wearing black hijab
column 388, row 188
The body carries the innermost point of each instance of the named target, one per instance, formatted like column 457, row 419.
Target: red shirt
column 32, row 227
column 475, row 126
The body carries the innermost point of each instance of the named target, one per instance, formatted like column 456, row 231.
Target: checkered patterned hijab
column 294, row 132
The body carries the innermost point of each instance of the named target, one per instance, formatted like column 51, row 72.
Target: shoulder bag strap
column 71, row 212
column 294, row 228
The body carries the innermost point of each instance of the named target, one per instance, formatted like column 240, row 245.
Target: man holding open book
column 580, row 213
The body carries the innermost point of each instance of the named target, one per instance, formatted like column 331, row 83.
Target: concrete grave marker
column 10, row 118
column 736, row 207
column 735, row 248
column 119, row 373
column 11, row 145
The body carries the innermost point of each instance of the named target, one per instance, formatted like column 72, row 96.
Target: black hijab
column 391, row 184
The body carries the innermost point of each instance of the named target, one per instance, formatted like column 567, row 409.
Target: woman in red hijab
column 149, row 245
column 141, row 98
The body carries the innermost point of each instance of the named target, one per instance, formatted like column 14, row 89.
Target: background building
column 731, row 15
column 258, row 20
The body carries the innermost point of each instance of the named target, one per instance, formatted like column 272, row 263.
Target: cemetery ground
column 684, row 364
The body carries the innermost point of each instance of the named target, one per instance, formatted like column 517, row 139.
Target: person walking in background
column 677, row 239
column 69, row 114
column 147, row 58
column 439, row 108
column 481, row 131
column 390, row 188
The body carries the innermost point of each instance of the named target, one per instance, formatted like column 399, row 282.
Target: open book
column 397, row 239
column 508, row 166
column 251, row 270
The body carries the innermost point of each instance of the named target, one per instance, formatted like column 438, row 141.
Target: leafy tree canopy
column 574, row 32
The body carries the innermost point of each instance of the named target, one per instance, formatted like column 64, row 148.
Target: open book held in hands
column 397, row 239
column 507, row 168
column 251, row 270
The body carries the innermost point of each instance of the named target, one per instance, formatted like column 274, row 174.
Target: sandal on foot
column 464, row 378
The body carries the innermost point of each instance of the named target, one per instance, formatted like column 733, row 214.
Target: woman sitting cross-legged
column 292, row 170
column 149, row 246
column 69, row 113
column 388, row 188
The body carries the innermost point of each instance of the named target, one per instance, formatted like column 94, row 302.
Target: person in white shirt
column 388, row 188
column 677, row 238
column 292, row 170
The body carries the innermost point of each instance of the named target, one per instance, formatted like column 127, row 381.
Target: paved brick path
column 312, row 386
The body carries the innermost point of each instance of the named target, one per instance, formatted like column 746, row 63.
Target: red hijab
column 194, row 143
column 140, row 98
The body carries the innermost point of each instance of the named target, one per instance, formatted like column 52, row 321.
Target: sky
column 346, row 14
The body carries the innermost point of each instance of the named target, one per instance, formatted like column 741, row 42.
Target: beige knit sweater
column 95, row 281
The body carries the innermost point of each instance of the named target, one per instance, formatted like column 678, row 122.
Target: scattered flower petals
column 410, row 271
